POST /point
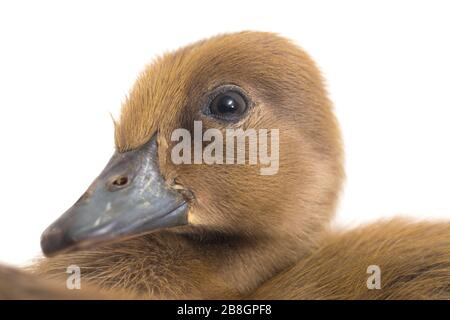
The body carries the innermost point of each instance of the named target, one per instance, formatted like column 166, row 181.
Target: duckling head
column 257, row 82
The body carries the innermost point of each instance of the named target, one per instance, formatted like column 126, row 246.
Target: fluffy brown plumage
column 414, row 259
column 250, row 231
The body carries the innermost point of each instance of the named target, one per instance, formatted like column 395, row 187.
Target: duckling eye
column 228, row 105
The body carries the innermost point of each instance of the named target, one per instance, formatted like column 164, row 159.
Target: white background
column 65, row 65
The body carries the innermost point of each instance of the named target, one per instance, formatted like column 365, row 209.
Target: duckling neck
column 238, row 265
column 221, row 265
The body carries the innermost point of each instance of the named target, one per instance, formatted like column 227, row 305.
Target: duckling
column 155, row 229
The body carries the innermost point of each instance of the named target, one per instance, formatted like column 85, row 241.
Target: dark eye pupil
column 227, row 104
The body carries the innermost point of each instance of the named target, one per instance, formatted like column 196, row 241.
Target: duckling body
column 238, row 234
column 413, row 260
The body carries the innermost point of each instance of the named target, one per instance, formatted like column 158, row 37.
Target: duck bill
column 129, row 198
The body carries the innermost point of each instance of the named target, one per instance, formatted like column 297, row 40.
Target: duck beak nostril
column 118, row 183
